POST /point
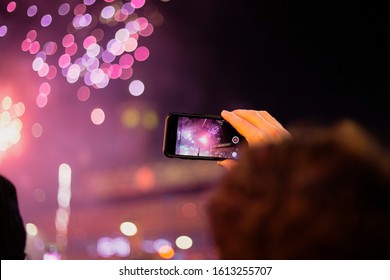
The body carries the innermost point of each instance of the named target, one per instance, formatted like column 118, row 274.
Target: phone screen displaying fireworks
column 206, row 137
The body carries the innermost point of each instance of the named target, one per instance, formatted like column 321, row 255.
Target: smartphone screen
column 201, row 137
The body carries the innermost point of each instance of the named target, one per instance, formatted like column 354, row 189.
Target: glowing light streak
column 63, row 199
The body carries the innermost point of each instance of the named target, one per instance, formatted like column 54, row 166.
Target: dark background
column 319, row 60
column 303, row 61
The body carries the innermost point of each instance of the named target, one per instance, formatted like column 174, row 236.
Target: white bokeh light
column 136, row 88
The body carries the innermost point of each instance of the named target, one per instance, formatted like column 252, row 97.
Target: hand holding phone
column 258, row 128
column 206, row 137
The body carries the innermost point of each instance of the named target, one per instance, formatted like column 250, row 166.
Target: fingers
column 258, row 127
column 270, row 119
column 239, row 123
column 227, row 163
column 258, row 119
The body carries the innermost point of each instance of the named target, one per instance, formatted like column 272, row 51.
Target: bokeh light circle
column 184, row 242
column 32, row 10
column 97, row 116
column 136, row 88
column 3, row 30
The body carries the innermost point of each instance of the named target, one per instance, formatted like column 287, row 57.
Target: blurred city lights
column 31, row 229
column 97, row 116
column 10, row 123
column 136, row 87
column 63, row 198
column 108, row 247
column 128, row 228
column 166, row 252
column 184, row 242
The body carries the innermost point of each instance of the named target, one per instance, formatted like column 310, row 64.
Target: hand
column 258, row 128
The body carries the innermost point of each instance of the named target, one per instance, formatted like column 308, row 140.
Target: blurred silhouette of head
column 13, row 233
column 323, row 194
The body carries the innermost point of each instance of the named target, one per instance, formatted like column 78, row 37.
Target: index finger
column 240, row 124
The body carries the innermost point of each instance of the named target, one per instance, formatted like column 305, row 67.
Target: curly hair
column 323, row 194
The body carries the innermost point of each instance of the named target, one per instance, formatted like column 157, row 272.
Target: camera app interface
column 206, row 138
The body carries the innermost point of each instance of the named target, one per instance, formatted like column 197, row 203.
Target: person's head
column 12, row 230
column 323, row 194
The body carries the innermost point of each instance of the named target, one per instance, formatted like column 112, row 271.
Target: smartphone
column 205, row 137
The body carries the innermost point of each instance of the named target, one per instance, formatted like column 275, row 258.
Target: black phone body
column 195, row 136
